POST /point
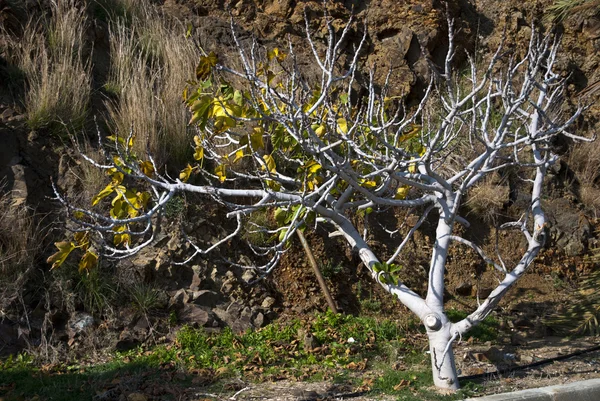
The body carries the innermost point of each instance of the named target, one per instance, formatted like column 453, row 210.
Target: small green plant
column 258, row 225
column 330, row 269
column 95, row 291
column 145, row 298
column 175, row 207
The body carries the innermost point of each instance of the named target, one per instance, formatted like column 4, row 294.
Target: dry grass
column 151, row 61
column 51, row 56
column 487, row 199
column 20, row 244
column 584, row 159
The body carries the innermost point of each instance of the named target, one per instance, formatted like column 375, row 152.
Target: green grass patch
column 345, row 349
column 487, row 330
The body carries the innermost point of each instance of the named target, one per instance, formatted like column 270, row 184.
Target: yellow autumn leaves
column 81, row 240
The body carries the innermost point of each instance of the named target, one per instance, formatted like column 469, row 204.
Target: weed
column 145, row 298
column 331, row 269
column 96, row 292
column 258, row 225
column 487, row 330
column 175, row 207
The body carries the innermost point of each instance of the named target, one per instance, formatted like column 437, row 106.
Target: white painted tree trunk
column 445, row 375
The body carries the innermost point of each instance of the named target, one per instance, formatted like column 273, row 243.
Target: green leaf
column 280, row 216
column 238, row 98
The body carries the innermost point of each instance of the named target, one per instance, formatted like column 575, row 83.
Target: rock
column 19, row 188
column 494, row 355
column 268, row 302
column 195, row 284
column 235, row 309
column 526, row 359
column 464, row 289
column 127, row 341
column 249, row 275
column 206, row 298
column 259, row 320
column 523, row 323
column 309, row 341
column 237, row 324
column 142, row 324
column 483, row 292
column 195, row 315
column 137, row 397
column 518, row 339
column 80, row 321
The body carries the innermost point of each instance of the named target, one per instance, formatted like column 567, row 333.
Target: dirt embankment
column 402, row 37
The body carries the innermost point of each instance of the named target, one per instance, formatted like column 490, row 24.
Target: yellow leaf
column 119, row 210
column 274, row 185
column 116, row 177
column 120, row 189
column 320, row 131
column 88, row 261
column 199, row 153
column 199, row 149
column 121, row 237
column 103, row 194
column 220, row 172
column 238, row 155
column 147, row 168
column 185, row 173
column 223, row 114
column 312, row 167
column 414, row 131
column 83, row 239
column 205, row 66
column 64, row 249
column 342, row 125
column 256, row 139
column 143, row 199
column 402, row 192
column 370, row 184
column 412, row 168
column 270, row 163
column 276, row 54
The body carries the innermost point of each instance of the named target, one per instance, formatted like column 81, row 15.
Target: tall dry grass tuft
column 51, row 55
column 584, row 159
column 151, row 60
column 20, row 245
column 487, row 199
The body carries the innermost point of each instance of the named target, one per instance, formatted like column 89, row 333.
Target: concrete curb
column 588, row 390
